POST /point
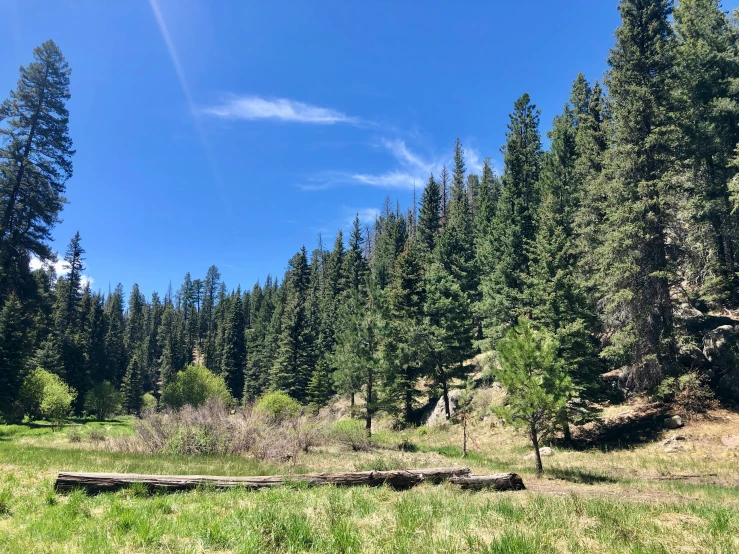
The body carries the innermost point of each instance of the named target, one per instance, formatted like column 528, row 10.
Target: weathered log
column 400, row 479
column 500, row 482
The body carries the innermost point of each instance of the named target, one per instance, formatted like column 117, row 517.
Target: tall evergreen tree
column 234, row 351
column 429, row 218
column 35, row 161
column 13, row 352
column 132, row 388
column 636, row 255
column 504, row 253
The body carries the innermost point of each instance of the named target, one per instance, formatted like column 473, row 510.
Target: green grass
column 592, row 510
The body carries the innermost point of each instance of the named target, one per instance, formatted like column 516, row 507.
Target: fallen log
column 400, row 479
column 499, row 482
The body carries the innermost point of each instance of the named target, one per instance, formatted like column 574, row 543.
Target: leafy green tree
column 637, row 256
column 103, row 400
column 537, row 388
column 35, row 160
column 278, row 406
column 44, row 394
column 194, row 386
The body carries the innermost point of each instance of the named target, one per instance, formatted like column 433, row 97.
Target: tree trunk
column 369, row 407
column 464, row 436
column 535, row 440
column 445, row 392
column 400, row 479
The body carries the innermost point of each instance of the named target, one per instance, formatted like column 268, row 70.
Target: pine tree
column 13, row 348
column 448, row 315
column 554, row 297
column 292, row 366
column 406, row 348
column 358, row 351
column 115, row 351
column 504, row 253
column 132, row 388
column 429, row 218
column 636, row 255
column 355, row 265
column 455, row 249
column 234, row 347
column 35, row 161
column 707, row 71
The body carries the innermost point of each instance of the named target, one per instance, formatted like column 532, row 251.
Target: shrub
column 45, row 394
column 96, row 435
column 103, row 400
column 75, row 435
column 149, row 403
column 194, row 386
column 278, row 406
column 689, row 395
column 351, row 433
column 57, row 402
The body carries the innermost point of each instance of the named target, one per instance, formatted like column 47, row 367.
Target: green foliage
column 46, row 395
column 537, row 387
column 103, row 400
column 278, row 406
column 689, row 394
column 194, row 386
column 149, row 404
column 351, row 433
column 132, row 388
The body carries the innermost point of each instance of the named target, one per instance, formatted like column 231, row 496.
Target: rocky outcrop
column 674, row 422
column 721, row 348
column 543, row 452
column 438, row 416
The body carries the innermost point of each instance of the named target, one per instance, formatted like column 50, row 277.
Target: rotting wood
column 399, row 479
column 500, row 482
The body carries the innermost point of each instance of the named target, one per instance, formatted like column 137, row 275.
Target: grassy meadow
column 623, row 498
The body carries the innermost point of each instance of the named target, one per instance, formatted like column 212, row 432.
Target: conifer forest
column 604, row 240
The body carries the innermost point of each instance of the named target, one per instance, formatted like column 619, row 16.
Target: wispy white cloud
column 412, row 170
column 280, row 109
column 60, row 267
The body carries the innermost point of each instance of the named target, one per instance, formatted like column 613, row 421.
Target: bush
column 149, row 403
column 45, row 394
column 103, row 400
column 689, row 395
column 194, row 386
column 96, row 435
column 278, row 406
column 351, row 433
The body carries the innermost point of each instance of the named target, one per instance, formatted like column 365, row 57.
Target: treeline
column 599, row 240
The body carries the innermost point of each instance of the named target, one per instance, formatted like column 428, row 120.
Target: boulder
column 674, row 422
column 543, row 452
column 730, row 441
column 438, row 416
column 693, row 358
column 721, row 348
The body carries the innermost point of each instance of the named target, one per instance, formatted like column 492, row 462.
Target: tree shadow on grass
column 639, row 427
column 574, row 475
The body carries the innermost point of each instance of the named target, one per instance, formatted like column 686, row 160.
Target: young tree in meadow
column 35, row 161
column 637, row 257
column 537, row 388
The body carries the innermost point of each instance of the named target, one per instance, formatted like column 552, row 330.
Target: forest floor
column 625, row 495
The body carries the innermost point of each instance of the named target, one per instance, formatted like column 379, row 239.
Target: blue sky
column 232, row 132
